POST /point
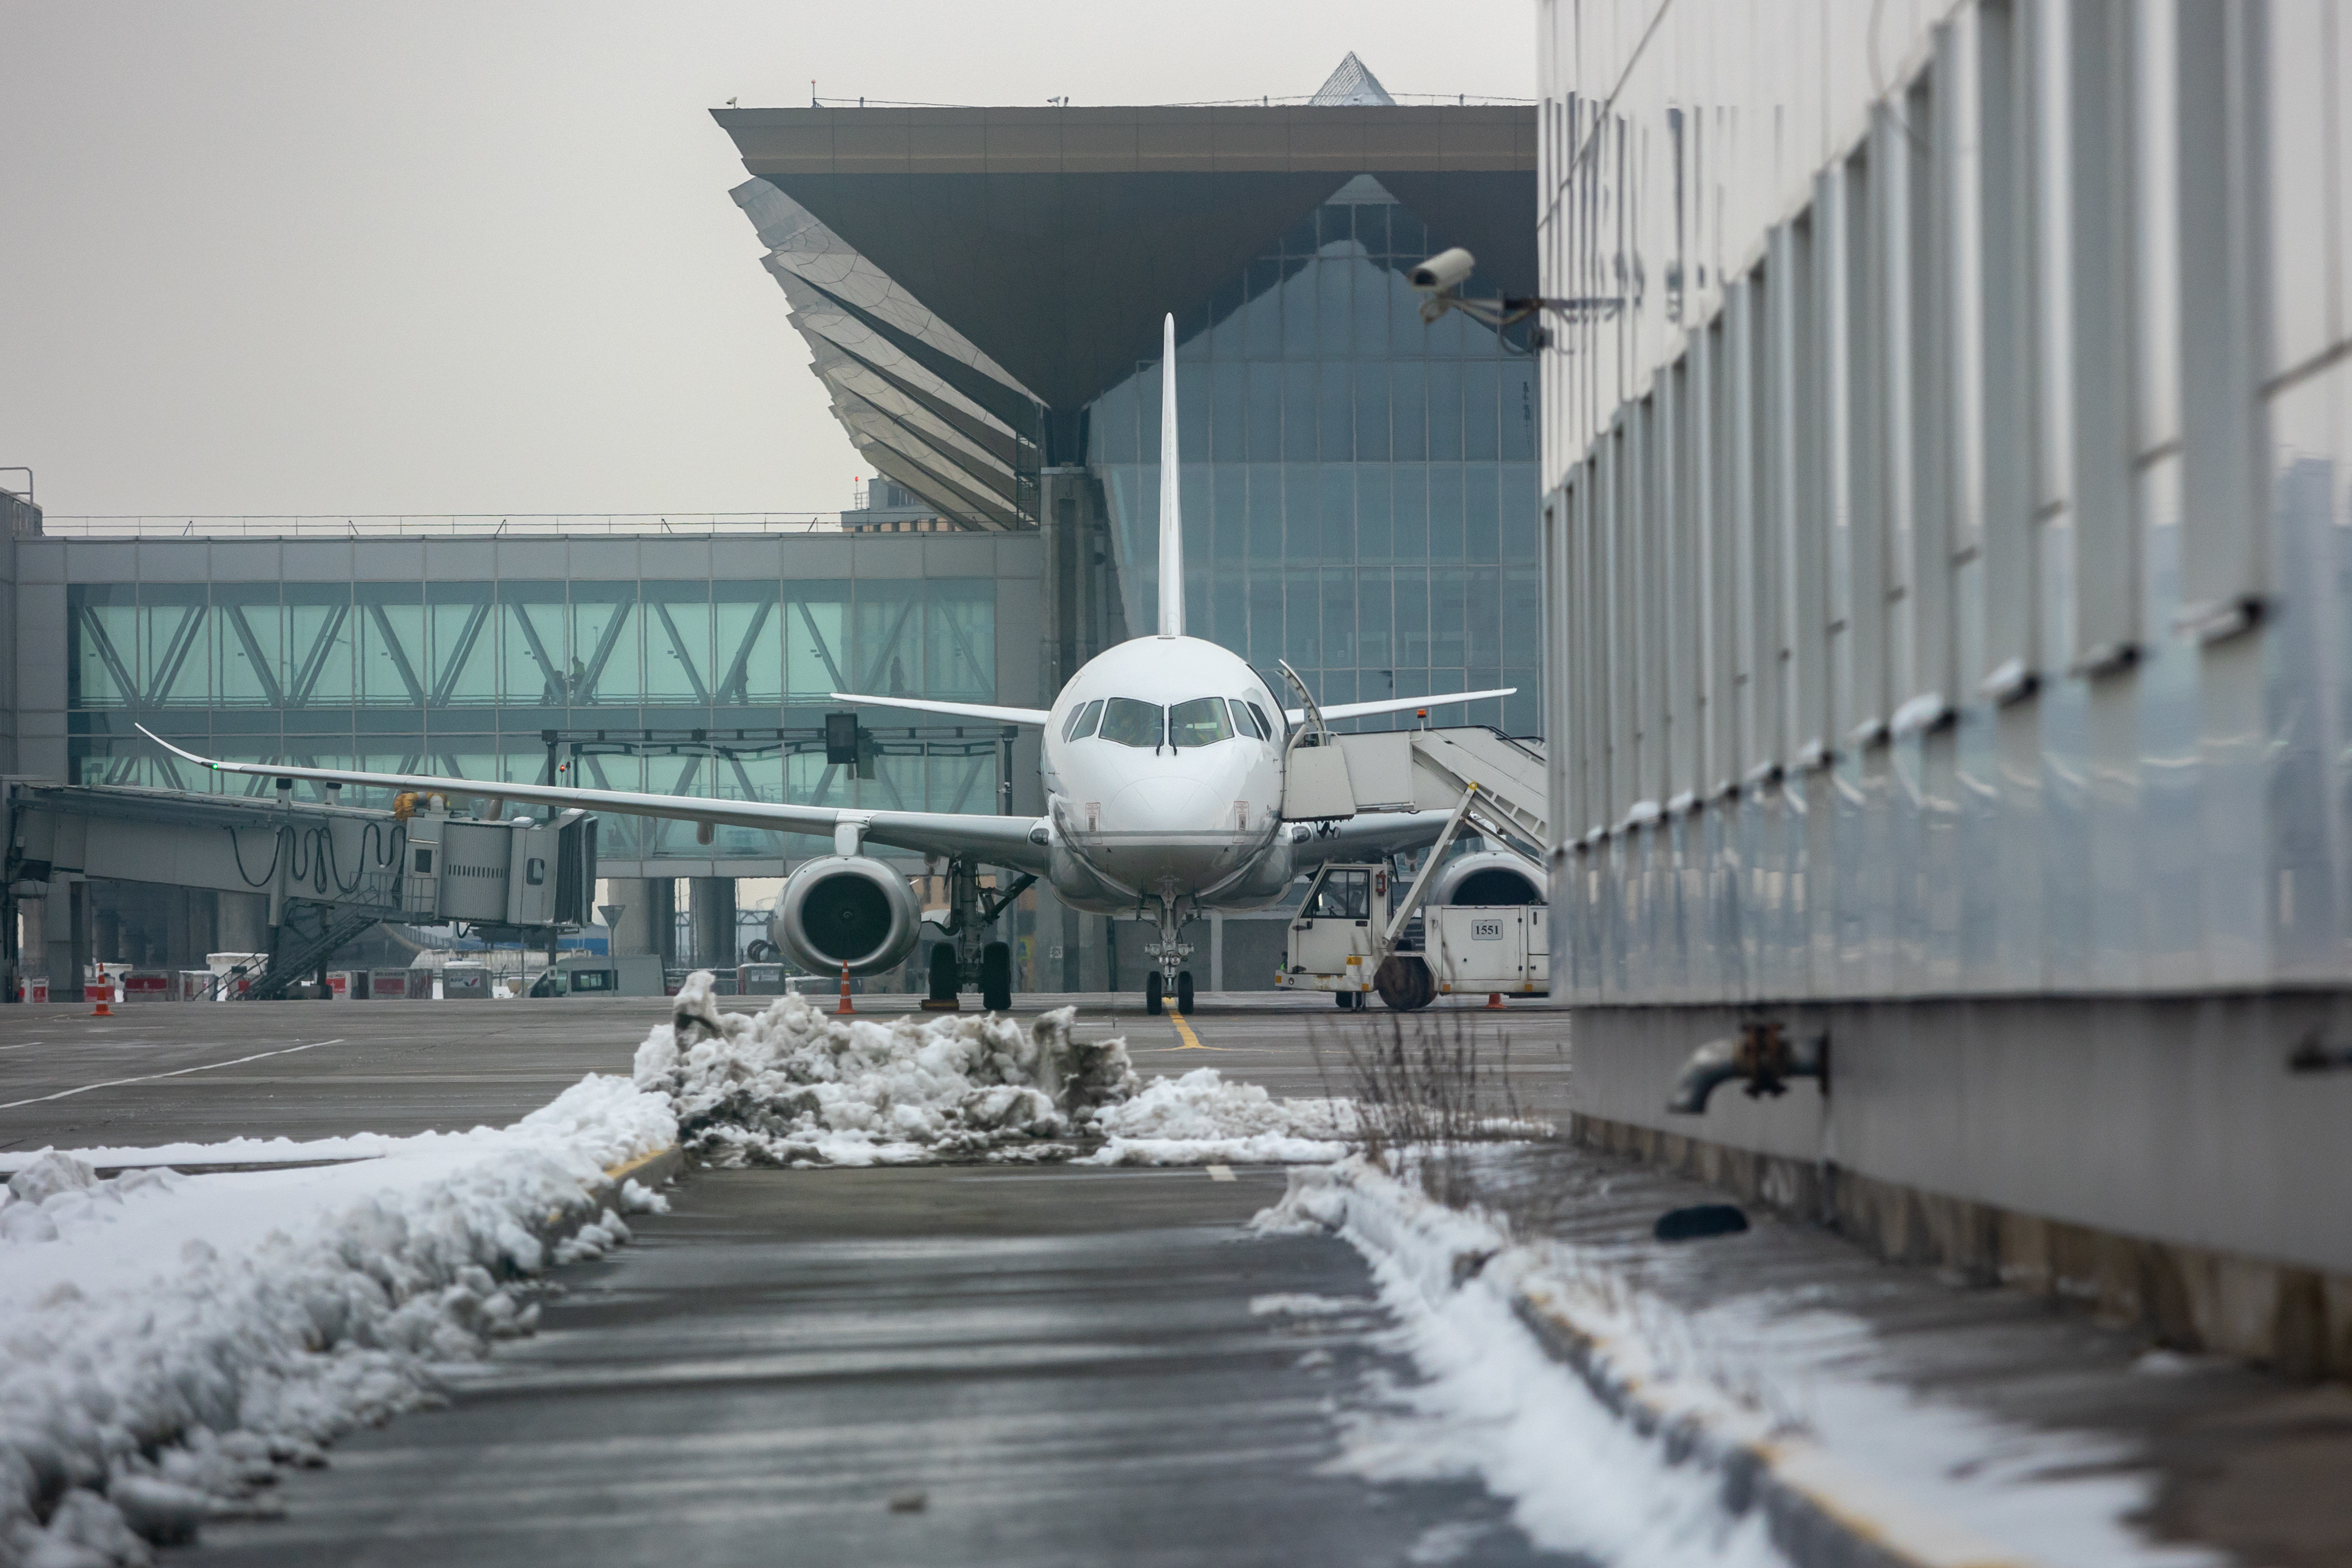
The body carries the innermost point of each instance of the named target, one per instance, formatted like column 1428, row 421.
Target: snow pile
column 794, row 1085
column 1200, row 1119
column 1596, row 1456
column 167, row 1341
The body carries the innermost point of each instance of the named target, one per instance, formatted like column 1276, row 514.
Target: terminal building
column 1952, row 660
column 982, row 290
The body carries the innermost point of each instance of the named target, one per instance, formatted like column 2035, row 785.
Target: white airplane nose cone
column 1161, row 805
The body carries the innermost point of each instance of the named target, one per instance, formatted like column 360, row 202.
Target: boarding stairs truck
column 1475, row 924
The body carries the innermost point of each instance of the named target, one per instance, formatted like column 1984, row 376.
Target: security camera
column 1445, row 271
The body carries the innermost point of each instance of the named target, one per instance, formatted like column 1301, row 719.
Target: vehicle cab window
column 1130, row 721
column 1201, row 722
column 1341, row 895
column 1082, row 721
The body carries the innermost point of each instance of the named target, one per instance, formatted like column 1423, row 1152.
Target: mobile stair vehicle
column 1470, row 925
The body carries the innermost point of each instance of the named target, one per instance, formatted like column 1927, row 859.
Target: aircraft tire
column 1404, row 983
column 996, row 977
column 1152, row 999
column 1185, row 990
column 945, row 980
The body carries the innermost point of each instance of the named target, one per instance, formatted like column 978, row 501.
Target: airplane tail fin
column 1171, row 516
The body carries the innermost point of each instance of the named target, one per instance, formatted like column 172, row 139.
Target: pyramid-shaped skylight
column 1351, row 85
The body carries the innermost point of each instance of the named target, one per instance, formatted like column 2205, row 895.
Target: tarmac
column 1022, row 1365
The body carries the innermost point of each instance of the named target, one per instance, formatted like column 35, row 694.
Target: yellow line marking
column 1184, row 1027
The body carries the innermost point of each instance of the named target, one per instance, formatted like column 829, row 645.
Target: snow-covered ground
column 1800, row 1399
column 167, row 1340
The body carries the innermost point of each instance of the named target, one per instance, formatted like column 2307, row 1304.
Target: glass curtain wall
column 463, row 677
column 1359, row 488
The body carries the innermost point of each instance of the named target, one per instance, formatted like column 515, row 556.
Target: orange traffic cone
column 845, row 1006
column 1495, row 1000
column 101, row 1011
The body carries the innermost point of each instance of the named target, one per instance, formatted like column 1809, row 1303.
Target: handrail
column 462, row 525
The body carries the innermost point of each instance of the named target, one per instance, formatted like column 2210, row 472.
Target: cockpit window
column 1131, row 722
column 1265, row 724
column 1243, row 723
column 1201, row 722
column 1082, row 721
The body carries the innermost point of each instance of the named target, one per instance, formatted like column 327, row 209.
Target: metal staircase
column 286, row 972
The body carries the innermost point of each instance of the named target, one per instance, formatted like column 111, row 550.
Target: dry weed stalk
column 1425, row 1092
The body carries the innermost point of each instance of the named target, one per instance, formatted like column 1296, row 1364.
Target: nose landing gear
column 1172, row 980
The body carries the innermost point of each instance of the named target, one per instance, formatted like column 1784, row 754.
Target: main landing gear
column 967, row 960
column 1171, row 980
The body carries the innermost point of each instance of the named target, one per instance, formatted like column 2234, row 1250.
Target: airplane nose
column 1161, row 805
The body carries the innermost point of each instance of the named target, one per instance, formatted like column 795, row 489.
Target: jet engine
column 1488, row 877
column 846, row 909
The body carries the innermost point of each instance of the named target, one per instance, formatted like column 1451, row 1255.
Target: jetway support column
column 711, row 902
column 649, row 920
column 243, row 925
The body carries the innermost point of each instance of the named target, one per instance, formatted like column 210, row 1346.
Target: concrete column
column 1216, row 950
column 711, row 903
column 81, row 908
column 648, row 916
column 243, row 923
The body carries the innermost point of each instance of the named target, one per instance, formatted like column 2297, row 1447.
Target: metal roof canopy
column 1053, row 238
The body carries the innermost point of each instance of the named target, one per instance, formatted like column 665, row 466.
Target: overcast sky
column 479, row 257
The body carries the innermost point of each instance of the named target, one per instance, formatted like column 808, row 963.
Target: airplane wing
column 1370, row 835
column 982, row 711
column 1000, row 841
column 1389, row 705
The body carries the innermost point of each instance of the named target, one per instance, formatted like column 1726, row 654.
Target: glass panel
column 747, row 644
column 962, row 781
column 817, row 641
column 530, row 643
column 319, row 638
column 1243, row 723
column 1266, row 726
column 1131, row 722
column 1201, row 722
column 389, row 663
column 961, row 657
column 602, row 664
column 175, row 645
column 464, row 657
column 678, row 642
column 1082, row 721
column 250, row 643
column 102, row 669
column 889, row 644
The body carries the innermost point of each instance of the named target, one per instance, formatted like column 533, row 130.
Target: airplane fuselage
column 1163, row 766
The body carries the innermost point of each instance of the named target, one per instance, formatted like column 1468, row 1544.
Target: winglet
column 1171, row 516
column 183, row 756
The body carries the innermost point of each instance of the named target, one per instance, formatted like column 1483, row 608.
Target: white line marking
column 1221, row 1173
column 151, row 1077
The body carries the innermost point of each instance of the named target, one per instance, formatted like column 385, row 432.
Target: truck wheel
column 996, row 977
column 1151, row 993
column 945, row 980
column 1184, row 991
column 1404, row 983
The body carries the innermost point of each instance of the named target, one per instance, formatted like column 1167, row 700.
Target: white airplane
column 1163, row 761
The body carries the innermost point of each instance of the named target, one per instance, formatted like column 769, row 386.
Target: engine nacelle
column 846, row 909
column 1489, row 877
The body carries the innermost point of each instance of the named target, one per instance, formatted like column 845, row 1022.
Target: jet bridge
column 327, row 871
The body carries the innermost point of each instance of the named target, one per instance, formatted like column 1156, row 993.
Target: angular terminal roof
column 962, row 271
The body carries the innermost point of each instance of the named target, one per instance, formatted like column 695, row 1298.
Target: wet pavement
column 939, row 1364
